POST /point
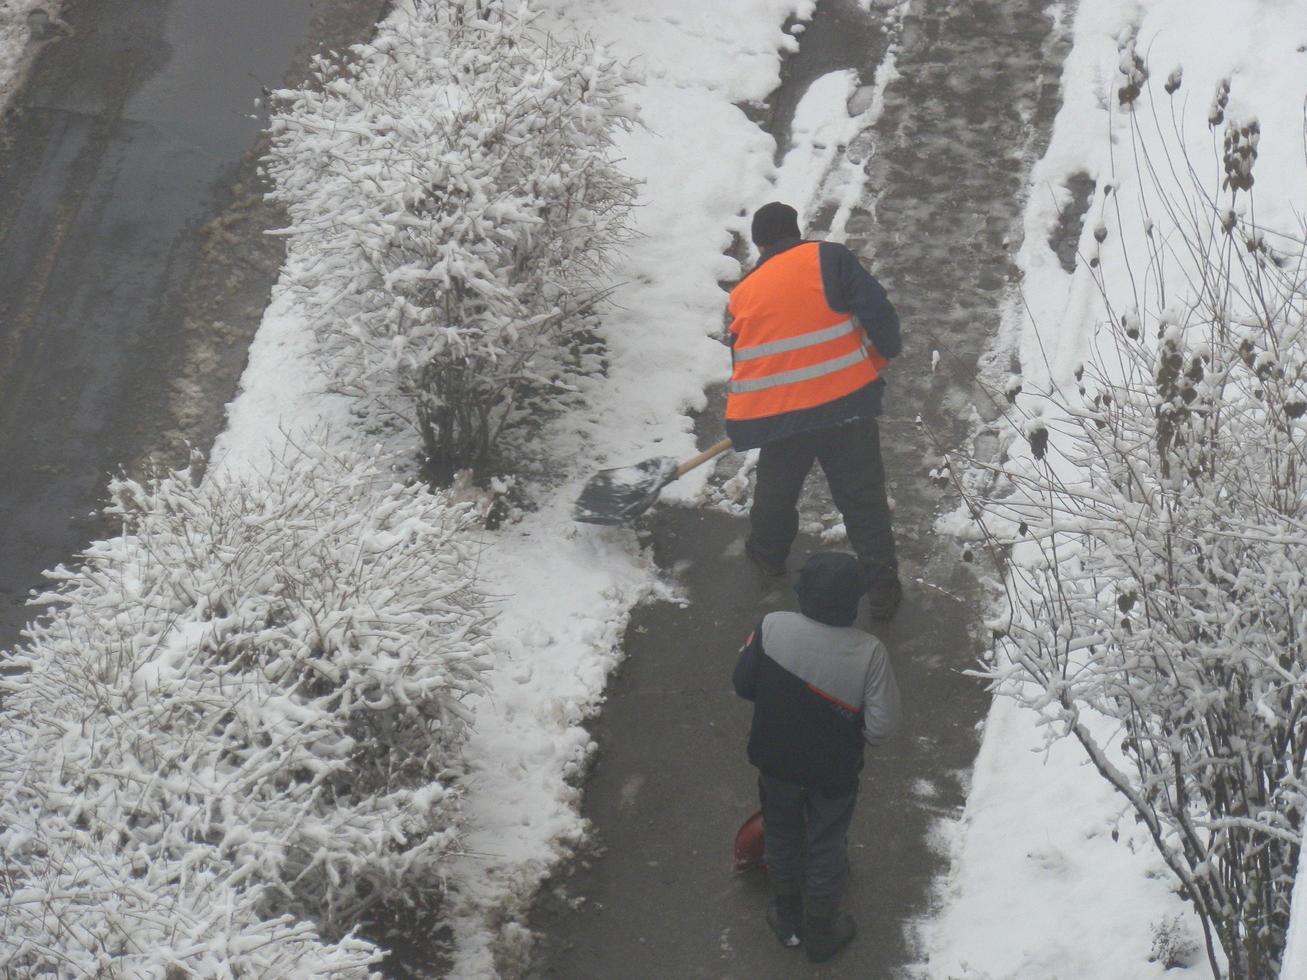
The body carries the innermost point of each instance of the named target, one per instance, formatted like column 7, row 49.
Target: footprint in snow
column 630, row 790
column 1051, row 860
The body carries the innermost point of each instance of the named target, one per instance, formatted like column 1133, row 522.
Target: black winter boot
column 767, row 564
column 785, row 916
column 883, row 597
column 826, row 930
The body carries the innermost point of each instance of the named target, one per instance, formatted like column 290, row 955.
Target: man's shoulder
column 787, row 619
column 837, row 248
column 784, row 617
column 835, row 255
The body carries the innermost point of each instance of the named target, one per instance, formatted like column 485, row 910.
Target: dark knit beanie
column 829, row 587
column 773, row 222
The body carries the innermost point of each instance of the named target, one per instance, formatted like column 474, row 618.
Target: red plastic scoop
column 748, row 844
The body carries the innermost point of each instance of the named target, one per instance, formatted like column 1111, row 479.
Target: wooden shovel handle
column 714, row 450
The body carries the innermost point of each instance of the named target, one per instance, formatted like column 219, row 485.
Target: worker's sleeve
column 882, row 714
column 850, row 288
column 746, row 668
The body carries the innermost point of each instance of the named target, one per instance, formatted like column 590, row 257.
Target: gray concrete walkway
column 655, row 896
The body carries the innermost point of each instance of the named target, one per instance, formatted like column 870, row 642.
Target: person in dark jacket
column 811, row 333
column 821, row 689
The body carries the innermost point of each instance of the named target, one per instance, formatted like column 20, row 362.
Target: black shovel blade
column 617, row 495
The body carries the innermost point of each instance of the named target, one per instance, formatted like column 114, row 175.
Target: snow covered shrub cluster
column 238, row 727
column 454, row 197
column 1160, row 543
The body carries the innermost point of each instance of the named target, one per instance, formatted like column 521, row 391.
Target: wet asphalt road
column 132, row 267
column 654, row 895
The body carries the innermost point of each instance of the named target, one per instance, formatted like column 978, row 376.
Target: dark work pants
column 850, row 457
column 794, row 819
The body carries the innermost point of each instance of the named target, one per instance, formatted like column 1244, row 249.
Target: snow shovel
column 748, row 844
column 617, row 495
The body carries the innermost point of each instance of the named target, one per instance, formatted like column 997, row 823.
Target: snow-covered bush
column 454, row 199
column 1159, row 534
column 241, row 715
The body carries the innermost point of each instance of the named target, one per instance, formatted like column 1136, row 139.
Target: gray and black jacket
column 820, row 693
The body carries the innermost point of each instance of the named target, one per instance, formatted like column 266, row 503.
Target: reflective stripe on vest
column 799, row 374
column 795, row 343
column 792, row 351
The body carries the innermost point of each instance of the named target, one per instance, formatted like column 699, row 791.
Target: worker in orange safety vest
column 811, row 332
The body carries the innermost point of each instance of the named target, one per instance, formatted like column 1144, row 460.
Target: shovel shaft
column 714, row 450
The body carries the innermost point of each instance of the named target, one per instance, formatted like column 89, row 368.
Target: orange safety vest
column 792, row 351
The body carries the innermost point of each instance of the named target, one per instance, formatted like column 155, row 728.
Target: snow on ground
column 830, row 140
column 20, row 21
column 1295, row 946
column 1039, row 887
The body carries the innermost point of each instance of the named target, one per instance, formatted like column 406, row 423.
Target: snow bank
column 1041, row 828
column 1295, row 950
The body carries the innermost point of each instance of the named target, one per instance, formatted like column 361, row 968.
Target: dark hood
column 829, row 587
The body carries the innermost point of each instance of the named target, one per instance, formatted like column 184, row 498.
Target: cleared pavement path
column 655, row 895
